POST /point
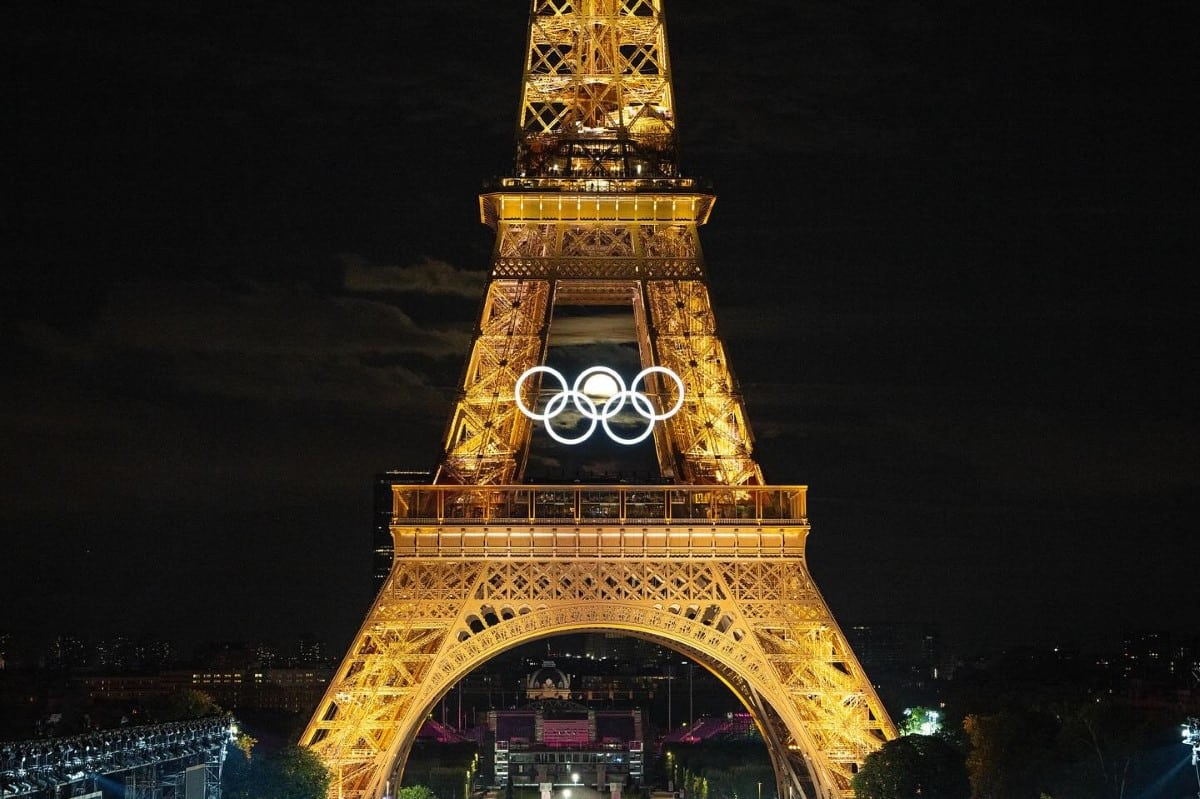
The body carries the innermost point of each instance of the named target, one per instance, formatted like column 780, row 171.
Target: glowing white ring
column 553, row 410
column 636, row 399
column 538, row 417
column 581, row 381
column 678, row 385
column 587, row 407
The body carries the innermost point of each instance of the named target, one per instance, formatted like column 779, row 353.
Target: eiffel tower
column 707, row 559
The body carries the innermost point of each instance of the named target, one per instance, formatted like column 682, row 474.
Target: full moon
column 600, row 384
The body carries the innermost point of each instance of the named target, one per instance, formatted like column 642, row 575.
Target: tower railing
column 608, row 182
column 591, row 504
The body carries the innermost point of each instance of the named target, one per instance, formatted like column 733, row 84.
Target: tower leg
column 754, row 622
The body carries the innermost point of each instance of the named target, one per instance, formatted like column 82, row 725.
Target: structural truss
column 710, row 561
column 149, row 760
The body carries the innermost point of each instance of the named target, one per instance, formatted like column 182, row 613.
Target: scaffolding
column 148, row 761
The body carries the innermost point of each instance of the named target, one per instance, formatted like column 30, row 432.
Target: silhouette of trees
column 293, row 772
column 914, row 765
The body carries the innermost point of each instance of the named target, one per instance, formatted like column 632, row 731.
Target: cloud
column 429, row 277
column 268, row 343
column 599, row 329
column 223, row 394
column 269, row 318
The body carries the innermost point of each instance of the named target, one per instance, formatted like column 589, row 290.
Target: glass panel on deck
column 554, row 504
column 644, row 504
column 599, row 505
column 466, row 504
column 512, row 504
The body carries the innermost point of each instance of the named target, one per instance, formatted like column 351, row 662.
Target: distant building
column 1156, row 668
column 1149, row 654
column 555, row 740
column 548, row 682
column 67, row 652
column 267, row 656
column 292, row 690
column 227, row 656
column 382, row 549
column 614, row 646
column 311, row 650
column 899, row 648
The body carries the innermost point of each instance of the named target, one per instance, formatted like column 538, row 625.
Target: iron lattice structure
column 711, row 562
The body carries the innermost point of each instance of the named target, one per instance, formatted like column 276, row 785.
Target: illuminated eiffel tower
column 709, row 560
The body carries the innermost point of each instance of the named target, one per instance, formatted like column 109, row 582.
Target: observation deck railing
column 606, row 182
column 586, row 504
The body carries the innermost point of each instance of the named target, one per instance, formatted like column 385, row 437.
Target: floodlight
column 1191, row 737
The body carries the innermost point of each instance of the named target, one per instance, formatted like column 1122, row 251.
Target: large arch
column 757, row 623
column 694, row 639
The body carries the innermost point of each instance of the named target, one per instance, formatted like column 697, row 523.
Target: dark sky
column 953, row 262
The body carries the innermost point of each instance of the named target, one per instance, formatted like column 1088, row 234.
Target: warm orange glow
column 709, row 561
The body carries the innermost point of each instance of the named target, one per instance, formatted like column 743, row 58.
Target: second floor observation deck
column 580, row 520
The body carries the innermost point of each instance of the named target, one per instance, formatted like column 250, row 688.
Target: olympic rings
column 587, row 406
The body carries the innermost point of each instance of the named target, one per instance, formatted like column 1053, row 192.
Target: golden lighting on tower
column 707, row 559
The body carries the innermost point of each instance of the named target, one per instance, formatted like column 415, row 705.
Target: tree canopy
column 914, row 765
column 291, row 773
column 415, row 792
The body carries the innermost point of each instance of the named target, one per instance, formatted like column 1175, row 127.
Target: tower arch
column 739, row 669
column 738, row 600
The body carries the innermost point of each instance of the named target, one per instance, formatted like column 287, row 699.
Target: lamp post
column 691, row 712
column 670, row 676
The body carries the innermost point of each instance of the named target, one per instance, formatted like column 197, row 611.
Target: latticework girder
column 710, row 434
column 596, row 97
column 487, row 432
column 582, row 244
column 595, row 64
column 756, row 616
column 709, row 561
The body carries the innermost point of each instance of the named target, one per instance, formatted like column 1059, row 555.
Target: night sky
column 952, row 260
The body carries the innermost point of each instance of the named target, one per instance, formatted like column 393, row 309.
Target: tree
column 721, row 769
column 186, row 703
column 448, row 770
column 447, row 782
column 921, row 721
column 415, row 792
column 298, row 773
column 914, row 765
column 245, row 742
column 291, row 773
column 1012, row 753
column 1104, row 750
column 747, row 779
